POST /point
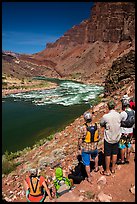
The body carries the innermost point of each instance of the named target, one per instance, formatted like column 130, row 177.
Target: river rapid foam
column 67, row 93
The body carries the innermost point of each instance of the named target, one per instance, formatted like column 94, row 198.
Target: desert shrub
column 50, row 137
column 39, row 143
column 12, row 155
column 8, row 164
column 90, row 195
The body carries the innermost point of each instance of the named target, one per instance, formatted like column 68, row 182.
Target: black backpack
column 130, row 121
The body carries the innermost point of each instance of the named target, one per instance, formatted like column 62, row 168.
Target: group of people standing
column 118, row 133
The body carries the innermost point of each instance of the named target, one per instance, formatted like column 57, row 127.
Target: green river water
column 31, row 116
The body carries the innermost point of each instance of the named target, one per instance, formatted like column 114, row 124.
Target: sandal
column 96, row 169
column 126, row 162
column 105, row 173
column 120, row 162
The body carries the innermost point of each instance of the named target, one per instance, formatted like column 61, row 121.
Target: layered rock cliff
column 108, row 22
column 112, row 22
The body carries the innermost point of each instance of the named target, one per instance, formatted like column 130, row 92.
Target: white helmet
column 33, row 171
column 87, row 116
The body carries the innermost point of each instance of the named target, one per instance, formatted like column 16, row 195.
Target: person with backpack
column 111, row 122
column 62, row 184
column 132, row 106
column 88, row 142
column 127, row 122
column 36, row 187
column 78, row 173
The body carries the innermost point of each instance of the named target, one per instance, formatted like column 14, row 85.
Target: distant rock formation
column 21, row 66
column 76, row 35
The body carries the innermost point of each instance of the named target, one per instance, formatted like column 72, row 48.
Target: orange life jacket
column 92, row 134
column 34, row 186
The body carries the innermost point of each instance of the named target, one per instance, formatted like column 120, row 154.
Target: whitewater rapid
column 67, row 93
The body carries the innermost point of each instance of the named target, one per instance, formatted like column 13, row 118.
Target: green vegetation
column 42, row 141
column 8, row 163
column 4, row 83
column 95, row 101
column 50, row 137
column 24, row 83
column 39, row 143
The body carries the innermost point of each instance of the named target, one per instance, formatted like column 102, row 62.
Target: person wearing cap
column 125, row 98
column 111, row 122
column 127, row 134
column 35, row 187
column 88, row 148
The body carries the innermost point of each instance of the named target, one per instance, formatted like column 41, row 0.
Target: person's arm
column 25, row 184
column 53, row 191
column 123, row 116
column 102, row 122
column 47, row 189
column 82, row 133
column 26, row 187
column 97, row 125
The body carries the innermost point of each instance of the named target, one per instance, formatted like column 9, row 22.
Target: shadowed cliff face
column 86, row 52
column 122, row 72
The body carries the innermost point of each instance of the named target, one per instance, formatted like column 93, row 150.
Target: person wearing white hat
column 35, row 187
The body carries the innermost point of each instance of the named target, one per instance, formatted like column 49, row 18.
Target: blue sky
column 28, row 26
